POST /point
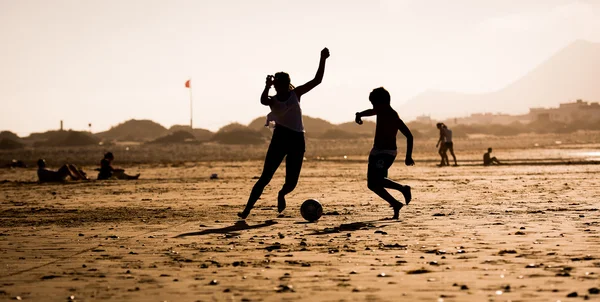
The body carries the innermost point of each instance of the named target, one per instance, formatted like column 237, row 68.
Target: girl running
column 288, row 136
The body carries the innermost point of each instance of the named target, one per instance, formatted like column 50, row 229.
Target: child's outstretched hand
column 409, row 161
column 325, row 53
column 358, row 120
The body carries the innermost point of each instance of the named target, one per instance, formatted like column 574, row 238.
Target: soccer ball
column 311, row 210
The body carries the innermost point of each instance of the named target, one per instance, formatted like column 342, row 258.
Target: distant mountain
column 9, row 135
column 316, row 126
column 366, row 129
column 239, row 134
column 10, row 144
column 313, row 126
column 198, row 133
column 570, row 74
column 320, row 128
column 60, row 138
column 134, row 130
column 233, row 127
column 177, row 137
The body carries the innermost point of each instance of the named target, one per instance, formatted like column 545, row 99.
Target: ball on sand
column 311, row 210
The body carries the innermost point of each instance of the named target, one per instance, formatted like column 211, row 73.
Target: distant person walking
column 108, row 172
column 488, row 160
column 442, row 146
column 288, row 136
column 448, row 144
column 67, row 170
column 384, row 149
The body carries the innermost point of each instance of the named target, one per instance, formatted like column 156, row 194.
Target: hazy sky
column 106, row 61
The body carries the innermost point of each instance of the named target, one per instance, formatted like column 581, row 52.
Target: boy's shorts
column 379, row 164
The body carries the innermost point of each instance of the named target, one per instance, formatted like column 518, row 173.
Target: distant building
column 488, row 118
column 568, row 112
column 565, row 113
column 424, row 119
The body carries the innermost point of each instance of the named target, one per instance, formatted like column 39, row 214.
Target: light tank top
column 287, row 113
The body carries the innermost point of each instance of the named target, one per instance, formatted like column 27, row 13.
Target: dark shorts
column 448, row 145
column 379, row 165
column 287, row 140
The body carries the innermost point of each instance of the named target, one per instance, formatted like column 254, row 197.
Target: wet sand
column 471, row 233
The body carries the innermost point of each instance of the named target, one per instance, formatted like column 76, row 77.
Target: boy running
column 384, row 150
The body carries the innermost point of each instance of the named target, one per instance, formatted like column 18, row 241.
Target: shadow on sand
column 355, row 226
column 240, row 225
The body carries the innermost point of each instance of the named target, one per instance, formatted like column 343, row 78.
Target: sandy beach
column 503, row 233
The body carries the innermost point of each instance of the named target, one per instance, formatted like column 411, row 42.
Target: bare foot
column 243, row 215
column 280, row 203
column 397, row 208
column 407, row 194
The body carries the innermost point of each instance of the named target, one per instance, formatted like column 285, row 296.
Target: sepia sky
column 107, row 61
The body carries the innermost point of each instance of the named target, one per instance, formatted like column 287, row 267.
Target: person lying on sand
column 108, row 172
column 46, row 175
column 488, row 160
column 384, row 150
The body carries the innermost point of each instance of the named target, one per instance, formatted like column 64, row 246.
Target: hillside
column 198, row 133
column 176, row 137
column 9, row 135
column 238, row 134
column 134, row 130
column 314, row 126
column 572, row 73
column 59, row 138
column 366, row 129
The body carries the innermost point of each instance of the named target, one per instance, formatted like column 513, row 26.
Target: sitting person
column 488, row 160
column 45, row 175
column 15, row 163
column 108, row 172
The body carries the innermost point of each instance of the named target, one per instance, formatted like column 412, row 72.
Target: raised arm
column 409, row 142
column 264, row 97
column 302, row 89
column 359, row 115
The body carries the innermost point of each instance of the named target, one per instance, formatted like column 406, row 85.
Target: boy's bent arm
column 409, row 140
column 359, row 115
column 302, row 89
column 368, row 112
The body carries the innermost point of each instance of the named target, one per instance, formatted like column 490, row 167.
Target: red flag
column 187, row 84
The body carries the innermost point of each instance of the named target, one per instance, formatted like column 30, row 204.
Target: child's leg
column 376, row 185
column 64, row 171
column 451, row 148
column 272, row 161
column 130, row 177
column 441, row 152
column 119, row 174
column 446, row 157
column 376, row 178
column 405, row 190
column 293, row 165
column 75, row 172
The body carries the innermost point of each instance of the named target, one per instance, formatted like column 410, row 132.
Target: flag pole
column 191, row 110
